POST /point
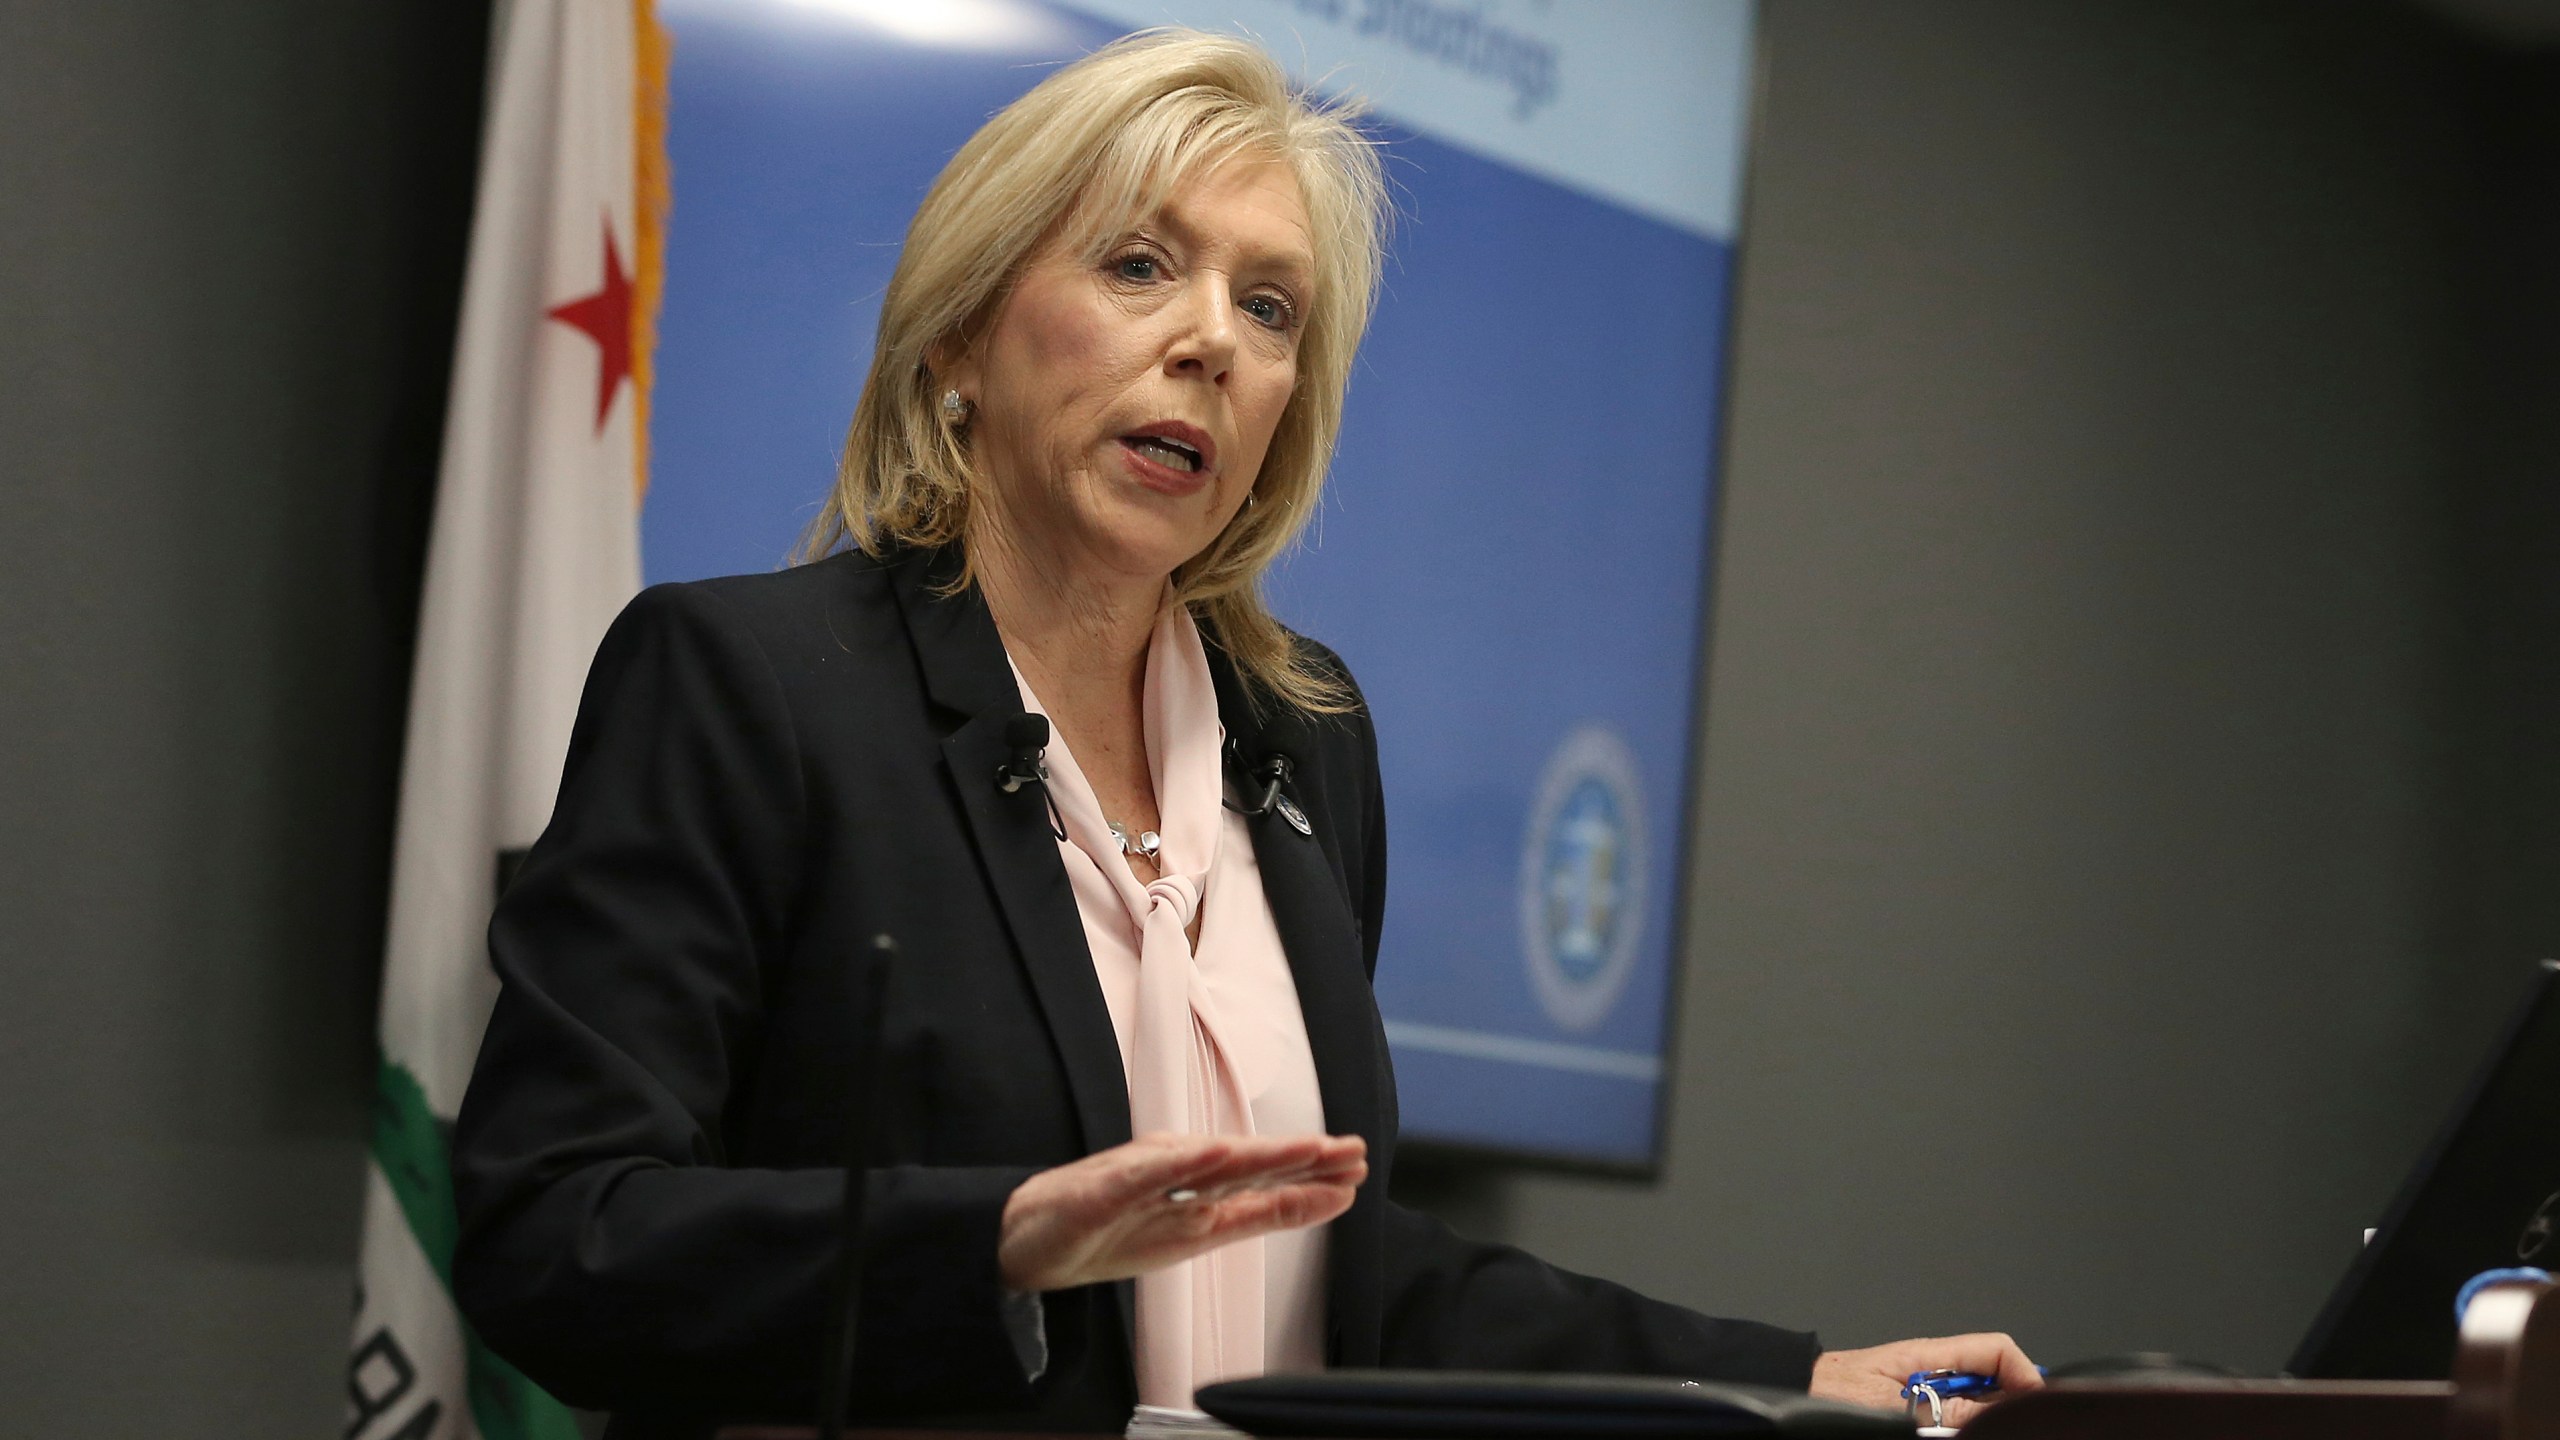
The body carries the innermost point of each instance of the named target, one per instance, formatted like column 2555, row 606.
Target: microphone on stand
column 835, row 1393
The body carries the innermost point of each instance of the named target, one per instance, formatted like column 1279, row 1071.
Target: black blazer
column 766, row 771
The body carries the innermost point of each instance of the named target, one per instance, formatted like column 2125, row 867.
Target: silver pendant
column 1296, row 817
column 1146, row 844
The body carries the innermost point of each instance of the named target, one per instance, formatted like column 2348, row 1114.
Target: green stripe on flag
column 410, row 1148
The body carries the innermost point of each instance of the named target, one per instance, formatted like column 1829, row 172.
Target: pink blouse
column 1213, row 1041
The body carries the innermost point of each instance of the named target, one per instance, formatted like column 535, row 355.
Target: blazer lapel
column 1302, row 879
column 965, row 671
column 1323, row 940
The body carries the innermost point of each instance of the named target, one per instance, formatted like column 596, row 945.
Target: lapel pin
column 1296, row 817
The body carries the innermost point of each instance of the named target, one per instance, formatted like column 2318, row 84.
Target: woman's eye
column 1269, row 310
column 1135, row 267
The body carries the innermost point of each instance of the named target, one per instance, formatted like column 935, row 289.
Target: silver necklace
column 1146, row 844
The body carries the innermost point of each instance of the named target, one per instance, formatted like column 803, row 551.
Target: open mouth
column 1171, row 454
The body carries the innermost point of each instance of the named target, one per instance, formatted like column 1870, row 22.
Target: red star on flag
column 606, row 317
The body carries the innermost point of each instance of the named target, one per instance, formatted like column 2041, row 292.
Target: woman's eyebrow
column 1295, row 262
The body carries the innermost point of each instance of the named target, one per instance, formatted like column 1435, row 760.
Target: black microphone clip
column 1271, row 774
column 1027, row 736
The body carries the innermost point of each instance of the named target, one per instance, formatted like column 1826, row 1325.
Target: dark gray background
column 2131, row 794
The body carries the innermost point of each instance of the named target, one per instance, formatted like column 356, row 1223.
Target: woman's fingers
column 1259, row 1204
column 1875, row 1376
column 1959, row 1412
column 1995, row 1355
column 1350, row 1171
column 1180, row 1232
column 1263, row 1209
column 1164, row 1198
column 1210, row 1162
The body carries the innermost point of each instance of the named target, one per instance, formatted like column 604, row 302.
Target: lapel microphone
column 1027, row 736
column 1269, row 773
column 1265, row 783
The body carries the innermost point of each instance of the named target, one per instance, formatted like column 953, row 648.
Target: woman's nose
column 1206, row 345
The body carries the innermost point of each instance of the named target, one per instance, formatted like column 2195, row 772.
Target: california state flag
column 535, row 548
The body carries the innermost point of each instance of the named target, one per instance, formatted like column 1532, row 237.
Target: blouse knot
column 1179, row 893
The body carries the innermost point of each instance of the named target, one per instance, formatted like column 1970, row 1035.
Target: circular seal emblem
column 1582, row 878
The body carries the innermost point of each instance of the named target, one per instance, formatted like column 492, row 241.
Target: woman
column 1109, row 375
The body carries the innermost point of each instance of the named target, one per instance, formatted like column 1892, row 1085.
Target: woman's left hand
column 1875, row 1376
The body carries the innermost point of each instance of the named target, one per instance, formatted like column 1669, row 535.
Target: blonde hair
column 1089, row 151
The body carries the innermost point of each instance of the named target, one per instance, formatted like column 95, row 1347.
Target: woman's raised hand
column 1164, row 1198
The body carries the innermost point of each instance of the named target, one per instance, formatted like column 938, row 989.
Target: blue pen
column 1939, row 1386
column 1949, row 1384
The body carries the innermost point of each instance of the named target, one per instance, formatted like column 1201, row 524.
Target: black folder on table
column 1397, row 1404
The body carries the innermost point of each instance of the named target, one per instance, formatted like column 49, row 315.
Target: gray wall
column 2126, row 742
column 221, row 235
column 2122, row 693
column 2497, row 862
